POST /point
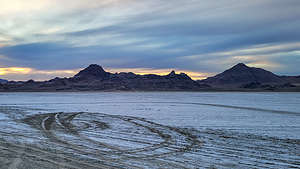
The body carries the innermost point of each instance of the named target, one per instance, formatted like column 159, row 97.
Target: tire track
column 96, row 140
column 51, row 123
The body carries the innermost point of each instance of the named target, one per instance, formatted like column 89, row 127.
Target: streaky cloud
column 188, row 35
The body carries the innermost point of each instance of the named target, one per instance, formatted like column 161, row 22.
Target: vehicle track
column 54, row 125
column 96, row 140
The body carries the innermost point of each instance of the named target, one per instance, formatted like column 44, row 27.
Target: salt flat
column 150, row 130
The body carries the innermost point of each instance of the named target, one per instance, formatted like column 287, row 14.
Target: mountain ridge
column 94, row 78
column 243, row 74
column 92, row 71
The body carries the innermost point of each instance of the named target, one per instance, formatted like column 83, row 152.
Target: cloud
column 204, row 36
column 14, row 70
column 26, row 73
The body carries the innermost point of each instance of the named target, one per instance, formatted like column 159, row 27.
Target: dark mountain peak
column 242, row 74
column 172, row 73
column 181, row 76
column 240, row 67
column 185, row 76
column 92, row 71
column 94, row 67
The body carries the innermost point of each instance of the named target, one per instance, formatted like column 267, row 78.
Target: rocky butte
column 95, row 78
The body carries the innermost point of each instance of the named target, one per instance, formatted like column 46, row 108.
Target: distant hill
column 93, row 71
column 242, row 74
column 94, row 78
column 291, row 79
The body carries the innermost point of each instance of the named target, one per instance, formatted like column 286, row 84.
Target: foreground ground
column 96, row 140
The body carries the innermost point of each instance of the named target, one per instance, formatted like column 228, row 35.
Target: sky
column 42, row 39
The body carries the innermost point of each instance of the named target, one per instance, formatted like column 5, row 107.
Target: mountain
column 242, row 74
column 93, row 71
column 94, row 78
column 291, row 79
